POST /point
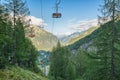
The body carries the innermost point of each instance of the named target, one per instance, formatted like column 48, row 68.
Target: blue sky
column 74, row 12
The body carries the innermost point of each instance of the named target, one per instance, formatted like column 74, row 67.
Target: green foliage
column 5, row 39
column 111, row 8
column 26, row 53
column 101, row 58
column 96, row 65
column 5, row 50
column 59, row 61
column 81, row 62
column 70, row 73
column 17, row 73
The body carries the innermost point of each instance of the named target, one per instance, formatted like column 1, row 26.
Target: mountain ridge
column 83, row 35
column 43, row 40
column 66, row 38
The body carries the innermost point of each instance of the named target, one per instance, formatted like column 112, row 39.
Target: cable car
column 31, row 35
column 57, row 14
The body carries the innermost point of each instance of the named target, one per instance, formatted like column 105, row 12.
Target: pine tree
column 5, row 37
column 26, row 53
column 59, row 60
column 18, row 10
column 111, row 9
column 70, row 73
column 101, row 57
column 81, row 63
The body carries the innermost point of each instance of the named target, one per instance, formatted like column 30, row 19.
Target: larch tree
column 111, row 11
column 5, row 37
column 58, row 62
column 18, row 11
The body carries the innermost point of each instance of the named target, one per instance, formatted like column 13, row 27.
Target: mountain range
column 83, row 35
column 66, row 38
column 87, row 42
column 43, row 40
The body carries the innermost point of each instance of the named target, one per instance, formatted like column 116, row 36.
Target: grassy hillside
column 43, row 40
column 17, row 73
column 88, row 32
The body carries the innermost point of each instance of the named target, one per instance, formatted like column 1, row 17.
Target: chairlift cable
column 56, row 14
column 53, row 24
column 32, row 34
column 41, row 9
column 42, row 26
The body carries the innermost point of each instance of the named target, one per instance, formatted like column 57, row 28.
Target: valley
column 59, row 40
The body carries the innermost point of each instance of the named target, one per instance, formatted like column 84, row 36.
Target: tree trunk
column 14, row 36
column 112, row 44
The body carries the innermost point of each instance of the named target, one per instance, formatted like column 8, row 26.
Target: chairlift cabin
column 31, row 35
column 57, row 14
column 31, row 32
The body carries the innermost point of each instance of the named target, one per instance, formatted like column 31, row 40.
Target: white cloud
column 82, row 25
column 37, row 21
column 64, row 33
column 75, row 25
